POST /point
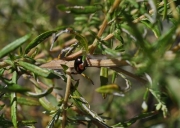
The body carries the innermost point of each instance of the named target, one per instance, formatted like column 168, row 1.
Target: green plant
column 140, row 71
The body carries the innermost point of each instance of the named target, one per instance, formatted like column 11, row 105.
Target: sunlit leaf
column 109, row 89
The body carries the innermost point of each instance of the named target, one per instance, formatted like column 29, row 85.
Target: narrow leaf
column 109, row 89
column 38, row 40
column 27, row 101
column 83, row 105
column 14, row 45
column 104, row 76
column 14, row 102
column 45, row 103
column 165, row 41
column 154, row 28
column 14, row 88
column 42, row 94
column 83, row 43
column 165, row 9
column 47, row 73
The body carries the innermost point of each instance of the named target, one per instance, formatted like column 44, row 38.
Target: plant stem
column 56, row 64
column 66, row 97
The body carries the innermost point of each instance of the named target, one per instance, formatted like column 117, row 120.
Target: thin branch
column 104, row 25
column 56, row 64
column 66, row 97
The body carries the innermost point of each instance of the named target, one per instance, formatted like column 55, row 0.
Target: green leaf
column 14, row 88
column 14, row 109
column 128, row 30
column 114, row 75
column 80, row 9
column 154, row 28
column 104, row 76
column 14, row 102
column 38, row 40
column 27, row 101
column 14, row 45
column 117, row 35
column 165, row 41
column 165, row 9
column 47, row 73
column 161, row 105
column 42, row 94
column 146, row 94
column 109, row 51
column 44, row 102
column 83, row 105
column 55, row 118
column 82, row 41
column 88, row 78
column 65, row 67
column 108, row 89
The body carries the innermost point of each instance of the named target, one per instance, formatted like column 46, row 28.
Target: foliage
column 135, row 74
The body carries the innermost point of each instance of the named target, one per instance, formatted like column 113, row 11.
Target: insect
column 79, row 65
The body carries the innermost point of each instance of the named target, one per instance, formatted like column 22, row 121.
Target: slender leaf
column 109, row 89
column 42, row 94
column 83, row 43
column 39, row 39
column 47, row 73
column 161, row 105
column 165, row 10
column 104, row 76
column 83, row 105
column 14, row 88
column 14, row 45
column 27, row 101
column 45, row 103
column 154, row 28
column 14, row 102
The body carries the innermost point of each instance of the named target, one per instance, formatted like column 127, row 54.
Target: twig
column 66, row 97
column 56, row 64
